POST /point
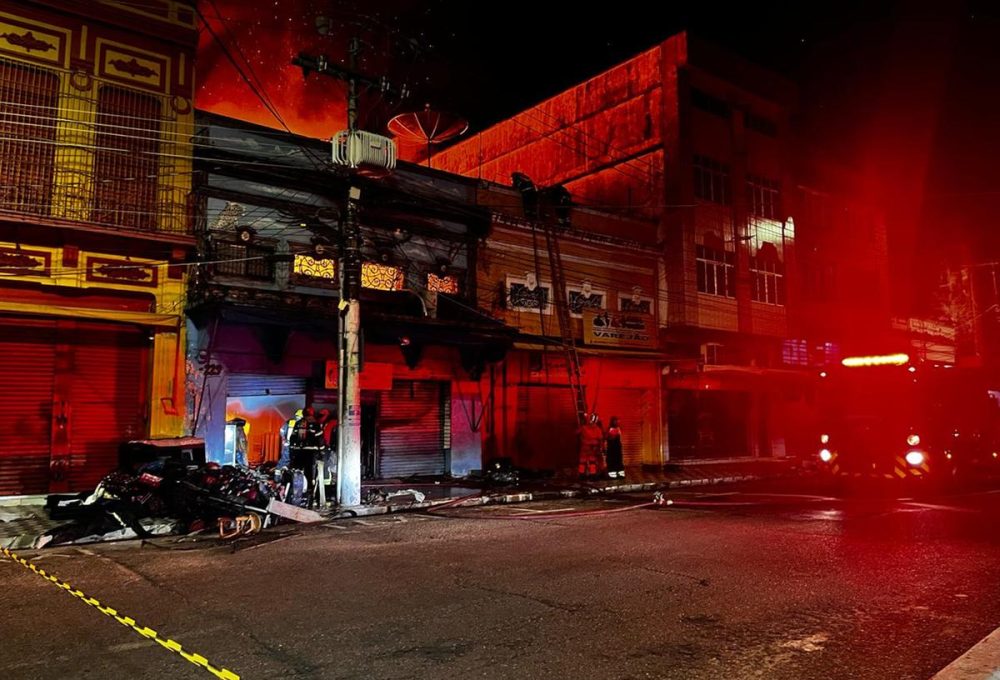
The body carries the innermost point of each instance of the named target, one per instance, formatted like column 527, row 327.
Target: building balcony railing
column 78, row 148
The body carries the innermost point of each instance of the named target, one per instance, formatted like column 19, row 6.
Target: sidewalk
column 21, row 525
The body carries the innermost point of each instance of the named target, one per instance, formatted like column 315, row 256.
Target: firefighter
column 591, row 444
column 286, row 431
column 615, row 459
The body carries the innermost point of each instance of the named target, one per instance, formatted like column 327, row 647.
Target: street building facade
column 698, row 142
column 95, row 172
column 610, row 269
column 264, row 311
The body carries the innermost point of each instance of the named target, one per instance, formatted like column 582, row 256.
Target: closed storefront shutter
column 246, row 385
column 545, row 433
column 107, row 394
column 27, row 366
column 69, row 392
column 636, row 411
column 413, row 427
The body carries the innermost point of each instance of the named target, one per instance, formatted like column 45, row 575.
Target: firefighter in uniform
column 591, row 446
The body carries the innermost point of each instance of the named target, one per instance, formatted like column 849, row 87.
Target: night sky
column 904, row 91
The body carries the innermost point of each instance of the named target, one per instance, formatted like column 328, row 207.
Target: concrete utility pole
column 358, row 148
column 349, row 385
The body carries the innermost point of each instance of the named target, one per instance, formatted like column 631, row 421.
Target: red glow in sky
column 268, row 34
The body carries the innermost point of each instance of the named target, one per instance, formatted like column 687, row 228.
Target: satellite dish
column 427, row 127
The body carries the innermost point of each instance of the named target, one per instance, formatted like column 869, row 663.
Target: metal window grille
column 76, row 147
column 246, row 261
column 29, row 97
column 126, row 165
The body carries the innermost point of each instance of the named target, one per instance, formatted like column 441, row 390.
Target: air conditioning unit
column 360, row 148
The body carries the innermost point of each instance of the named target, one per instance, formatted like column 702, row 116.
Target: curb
column 982, row 662
column 528, row 496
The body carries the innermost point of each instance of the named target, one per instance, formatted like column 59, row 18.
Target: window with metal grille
column 126, row 158
column 247, row 261
column 763, row 197
column 711, row 180
column 442, row 284
column 381, row 276
column 716, row 271
column 308, row 270
column 29, row 101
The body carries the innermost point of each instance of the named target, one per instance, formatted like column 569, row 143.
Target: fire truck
column 887, row 417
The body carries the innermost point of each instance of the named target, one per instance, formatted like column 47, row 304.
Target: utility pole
column 351, row 148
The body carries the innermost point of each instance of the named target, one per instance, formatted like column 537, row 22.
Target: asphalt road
column 771, row 581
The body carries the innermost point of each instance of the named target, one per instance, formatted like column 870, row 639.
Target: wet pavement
column 775, row 579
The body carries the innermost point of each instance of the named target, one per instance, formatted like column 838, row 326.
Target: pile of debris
column 168, row 495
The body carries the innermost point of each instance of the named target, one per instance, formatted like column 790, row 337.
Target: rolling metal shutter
column 27, row 367
column 636, row 411
column 545, row 434
column 246, row 385
column 107, row 393
column 414, row 424
column 93, row 376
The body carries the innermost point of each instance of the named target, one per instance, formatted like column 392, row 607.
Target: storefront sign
column 618, row 329
column 374, row 375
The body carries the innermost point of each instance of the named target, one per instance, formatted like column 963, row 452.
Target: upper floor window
column 527, row 294
column 795, row 353
column 711, row 180
column 126, row 158
column 381, row 276
column 309, row 270
column 710, row 103
column 585, row 297
column 29, row 102
column 767, row 275
column 763, row 197
column 442, row 284
column 716, row 271
column 764, row 126
column 249, row 261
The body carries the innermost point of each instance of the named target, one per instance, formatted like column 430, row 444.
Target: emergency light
column 876, row 360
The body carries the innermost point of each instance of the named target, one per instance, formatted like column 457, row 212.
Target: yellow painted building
column 96, row 118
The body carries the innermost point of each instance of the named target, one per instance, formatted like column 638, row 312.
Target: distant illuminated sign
column 878, row 360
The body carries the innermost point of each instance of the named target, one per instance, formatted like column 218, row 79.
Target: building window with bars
column 716, row 271
column 126, row 166
column 243, row 260
column 308, row 270
column 381, row 276
column 442, row 284
column 29, row 104
column 711, row 180
column 767, row 275
column 763, row 197
column 528, row 295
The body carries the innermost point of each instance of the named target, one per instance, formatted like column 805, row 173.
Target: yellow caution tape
column 128, row 621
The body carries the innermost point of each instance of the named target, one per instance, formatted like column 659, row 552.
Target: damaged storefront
column 264, row 315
